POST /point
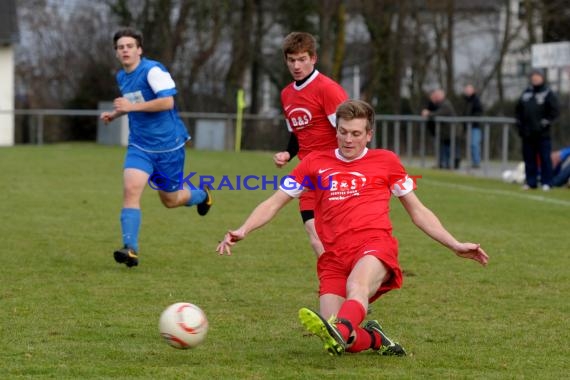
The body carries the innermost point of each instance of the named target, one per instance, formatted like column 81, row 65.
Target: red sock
column 352, row 311
column 377, row 341
column 362, row 342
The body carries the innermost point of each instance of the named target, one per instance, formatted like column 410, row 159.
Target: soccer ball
column 183, row 325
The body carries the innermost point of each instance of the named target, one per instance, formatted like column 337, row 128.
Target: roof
column 8, row 22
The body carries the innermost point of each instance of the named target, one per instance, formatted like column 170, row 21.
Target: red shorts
column 307, row 201
column 334, row 266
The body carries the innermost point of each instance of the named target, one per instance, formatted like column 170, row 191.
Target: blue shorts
column 166, row 170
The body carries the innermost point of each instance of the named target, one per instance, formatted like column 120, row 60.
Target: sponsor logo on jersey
column 299, row 118
column 134, row 97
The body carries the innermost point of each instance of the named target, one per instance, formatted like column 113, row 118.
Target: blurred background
column 391, row 53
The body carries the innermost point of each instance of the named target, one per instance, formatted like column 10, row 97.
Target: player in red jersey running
column 353, row 186
column 309, row 105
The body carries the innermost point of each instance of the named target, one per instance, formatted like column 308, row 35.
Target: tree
column 384, row 70
column 241, row 53
column 332, row 25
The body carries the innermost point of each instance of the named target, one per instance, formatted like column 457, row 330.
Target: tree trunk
column 241, row 51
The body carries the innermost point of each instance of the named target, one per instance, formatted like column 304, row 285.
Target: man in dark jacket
column 439, row 105
column 536, row 109
column 472, row 107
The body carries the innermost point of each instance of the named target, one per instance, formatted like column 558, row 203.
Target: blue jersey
column 152, row 131
column 564, row 154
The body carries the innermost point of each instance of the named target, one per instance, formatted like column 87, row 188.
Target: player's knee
column 356, row 289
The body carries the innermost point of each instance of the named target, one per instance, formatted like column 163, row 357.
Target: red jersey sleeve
column 399, row 181
column 332, row 96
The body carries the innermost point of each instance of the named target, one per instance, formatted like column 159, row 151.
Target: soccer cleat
column 391, row 349
column 326, row 330
column 126, row 256
column 204, row 207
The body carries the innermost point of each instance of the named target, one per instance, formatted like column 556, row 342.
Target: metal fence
column 406, row 135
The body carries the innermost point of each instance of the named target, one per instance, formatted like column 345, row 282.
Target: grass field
column 69, row 311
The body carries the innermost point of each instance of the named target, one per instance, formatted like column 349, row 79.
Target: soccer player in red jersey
column 353, row 186
column 309, row 105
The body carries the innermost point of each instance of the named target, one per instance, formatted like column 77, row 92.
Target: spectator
column 439, row 105
column 536, row 109
column 472, row 107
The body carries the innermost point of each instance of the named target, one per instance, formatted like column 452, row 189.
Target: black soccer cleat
column 127, row 256
column 387, row 347
column 204, row 207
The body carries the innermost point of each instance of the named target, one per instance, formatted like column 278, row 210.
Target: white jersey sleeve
column 403, row 186
column 291, row 187
column 160, row 80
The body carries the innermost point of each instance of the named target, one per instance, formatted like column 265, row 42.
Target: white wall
column 6, row 95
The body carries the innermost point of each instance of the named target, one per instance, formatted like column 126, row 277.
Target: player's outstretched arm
column 260, row 216
column 429, row 223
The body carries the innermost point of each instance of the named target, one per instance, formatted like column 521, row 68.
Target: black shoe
column 204, row 207
column 126, row 256
column 387, row 346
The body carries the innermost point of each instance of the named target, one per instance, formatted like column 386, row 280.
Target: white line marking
column 538, row 198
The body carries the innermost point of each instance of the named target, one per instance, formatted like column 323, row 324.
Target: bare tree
column 332, row 24
column 555, row 18
column 241, row 53
column 384, row 73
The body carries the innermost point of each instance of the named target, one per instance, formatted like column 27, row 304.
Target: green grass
column 67, row 310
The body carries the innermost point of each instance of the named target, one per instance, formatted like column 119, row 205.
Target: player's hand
column 281, row 158
column 472, row 251
column 122, row 105
column 107, row 117
column 425, row 113
column 231, row 237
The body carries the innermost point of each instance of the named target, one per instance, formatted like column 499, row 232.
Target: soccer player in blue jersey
column 157, row 137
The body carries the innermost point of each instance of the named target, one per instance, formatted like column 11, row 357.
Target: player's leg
column 343, row 332
column 134, row 182
column 363, row 284
column 332, row 273
column 307, row 205
column 169, row 179
column 329, row 305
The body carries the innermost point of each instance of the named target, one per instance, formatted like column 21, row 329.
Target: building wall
column 6, row 95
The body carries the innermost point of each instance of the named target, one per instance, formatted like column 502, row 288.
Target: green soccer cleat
column 326, row 330
column 126, row 256
column 393, row 348
column 204, row 207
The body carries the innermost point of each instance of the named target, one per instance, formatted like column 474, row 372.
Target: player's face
column 300, row 65
column 128, row 52
column 352, row 137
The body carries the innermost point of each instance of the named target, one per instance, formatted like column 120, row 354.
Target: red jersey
column 352, row 197
column 310, row 112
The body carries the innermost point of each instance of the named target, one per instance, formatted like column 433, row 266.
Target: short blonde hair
column 355, row 109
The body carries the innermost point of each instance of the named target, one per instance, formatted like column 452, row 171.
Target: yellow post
column 239, row 118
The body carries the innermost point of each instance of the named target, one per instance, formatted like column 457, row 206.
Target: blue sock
column 196, row 197
column 130, row 225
